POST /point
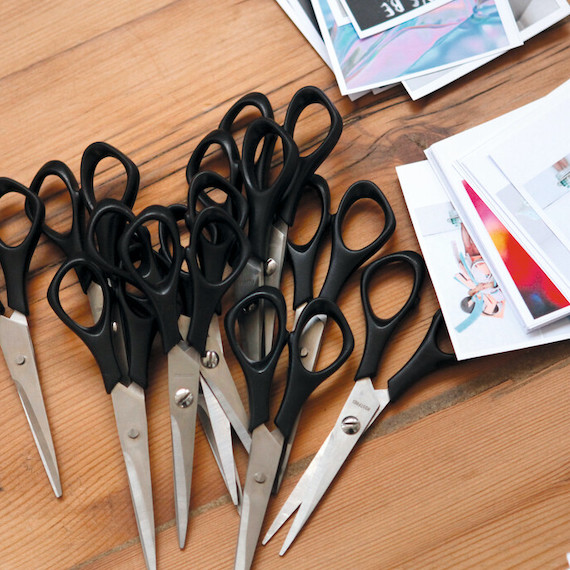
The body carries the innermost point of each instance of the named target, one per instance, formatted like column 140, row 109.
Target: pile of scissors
column 167, row 271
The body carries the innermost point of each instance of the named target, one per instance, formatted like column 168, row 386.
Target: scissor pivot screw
column 133, row 433
column 211, row 359
column 350, row 425
column 183, row 397
column 259, row 477
column 20, row 359
column 304, row 352
column 270, row 266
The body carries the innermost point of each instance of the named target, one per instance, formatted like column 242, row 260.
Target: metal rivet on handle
column 259, row 477
column 270, row 266
column 350, row 425
column 211, row 359
column 183, row 398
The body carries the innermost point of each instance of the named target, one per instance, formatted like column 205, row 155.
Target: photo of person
column 484, row 297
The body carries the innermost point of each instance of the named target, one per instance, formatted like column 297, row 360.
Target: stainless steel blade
column 207, row 427
column 96, row 300
column 273, row 271
column 183, row 387
column 130, row 416
column 215, row 371
column 261, row 471
column 221, row 431
column 311, row 341
column 18, row 350
column 295, row 499
column 361, row 406
column 251, row 321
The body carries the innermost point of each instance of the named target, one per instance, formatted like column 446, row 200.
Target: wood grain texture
column 469, row 470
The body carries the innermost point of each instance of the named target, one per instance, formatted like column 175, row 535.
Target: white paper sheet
column 457, row 32
column 438, row 228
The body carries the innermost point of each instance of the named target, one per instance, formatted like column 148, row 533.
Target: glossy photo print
column 454, row 33
column 531, row 16
column 370, row 17
column 540, row 295
column 479, row 314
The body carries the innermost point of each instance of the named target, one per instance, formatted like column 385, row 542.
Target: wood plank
column 469, row 470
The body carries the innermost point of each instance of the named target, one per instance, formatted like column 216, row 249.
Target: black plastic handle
column 221, row 247
column 261, row 103
column 108, row 229
column 345, row 261
column 185, row 290
column 300, row 381
column 139, row 330
column 259, row 373
column 303, row 257
column 308, row 164
column 72, row 241
column 379, row 330
column 254, row 99
column 224, row 140
column 160, row 288
column 15, row 260
column 91, row 158
column 427, row 358
column 98, row 337
column 101, row 246
column 264, row 199
column 208, row 293
column 235, row 203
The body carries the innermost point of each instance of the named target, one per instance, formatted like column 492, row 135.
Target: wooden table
column 470, row 470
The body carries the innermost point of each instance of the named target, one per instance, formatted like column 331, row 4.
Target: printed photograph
column 531, row 16
column 453, row 33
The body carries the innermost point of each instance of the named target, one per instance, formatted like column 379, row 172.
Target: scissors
column 120, row 342
column 15, row 339
column 267, row 446
column 221, row 391
column 263, row 199
column 343, row 263
column 224, row 138
column 185, row 355
column 83, row 201
column 364, row 404
column 302, row 182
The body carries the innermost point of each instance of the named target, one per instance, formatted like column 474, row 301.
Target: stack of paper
column 424, row 44
column 491, row 209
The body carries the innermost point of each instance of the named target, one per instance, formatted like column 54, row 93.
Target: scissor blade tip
column 182, row 529
column 150, row 559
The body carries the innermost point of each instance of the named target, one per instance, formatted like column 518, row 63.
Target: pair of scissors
column 344, row 261
column 219, row 398
column 308, row 164
column 83, row 201
column 120, row 340
column 15, row 339
column 267, row 446
column 202, row 288
column 364, row 404
column 225, row 250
